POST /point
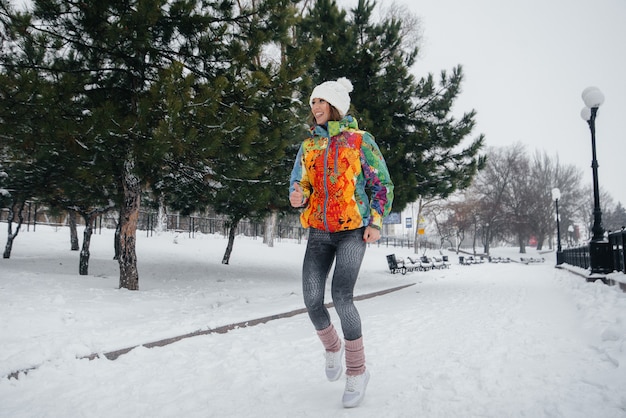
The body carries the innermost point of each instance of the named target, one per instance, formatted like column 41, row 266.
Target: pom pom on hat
column 337, row 93
column 347, row 84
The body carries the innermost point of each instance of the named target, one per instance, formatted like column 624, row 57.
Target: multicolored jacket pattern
column 336, row 167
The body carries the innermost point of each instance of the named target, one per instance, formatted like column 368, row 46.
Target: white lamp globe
column 593, row 97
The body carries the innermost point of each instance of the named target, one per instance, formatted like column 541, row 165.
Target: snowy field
column 490, row 340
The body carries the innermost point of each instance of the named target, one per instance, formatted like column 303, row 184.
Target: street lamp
column 600, row 259
column 556, row 195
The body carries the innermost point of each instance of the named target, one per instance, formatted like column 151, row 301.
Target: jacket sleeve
column 377, row 179
column 299, row 174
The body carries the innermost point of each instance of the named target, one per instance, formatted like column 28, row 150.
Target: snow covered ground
column 490, row 340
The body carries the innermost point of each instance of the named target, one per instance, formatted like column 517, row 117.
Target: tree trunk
column 474, row 239
column 522, row 245
column 129, row 216
column 486, row 248
column 9, row 245
column 83, row 263
column 270, row 227
column 10, row 235
column 416, row 240
column 540, row 239
column 116, row 240
column 73, row 232
column 231, row 241
column 161, row 223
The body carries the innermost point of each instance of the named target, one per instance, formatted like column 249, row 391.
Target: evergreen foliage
column 201, row 104
column 411, row 119
column 163, row 96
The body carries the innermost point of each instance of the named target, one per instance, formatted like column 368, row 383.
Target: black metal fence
column 610, row 258
column 616, row 243
column 148, row 223
column 405, row 243
column 216, row 225
column 577, row 256
column 195, row 224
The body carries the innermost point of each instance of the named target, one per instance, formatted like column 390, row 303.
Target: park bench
column 499, row 259
column 395, row 265
column 427, row 263
column 441, row 262
column 532, row 260
column 470, row 259
column 419, row 264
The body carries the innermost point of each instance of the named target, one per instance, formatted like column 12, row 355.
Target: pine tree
column 267, row 85
column 411, row 120
column 33, row 117
column 115, row 58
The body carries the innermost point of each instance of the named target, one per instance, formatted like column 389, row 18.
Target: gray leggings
column 347, row 249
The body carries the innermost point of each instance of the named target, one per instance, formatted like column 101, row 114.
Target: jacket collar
column 334, row 127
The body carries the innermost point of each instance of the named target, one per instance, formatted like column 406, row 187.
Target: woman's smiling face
column 321, row 110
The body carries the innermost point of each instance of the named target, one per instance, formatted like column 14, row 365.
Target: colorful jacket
column 337, row 167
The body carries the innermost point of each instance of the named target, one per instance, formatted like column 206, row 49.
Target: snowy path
column 492, row 340
column 465, row 344
column 488, row 347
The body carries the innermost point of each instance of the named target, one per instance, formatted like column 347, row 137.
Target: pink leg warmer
column 355, row 357
column 330, row 339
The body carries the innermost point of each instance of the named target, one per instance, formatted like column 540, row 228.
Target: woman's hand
column 371, row 234
column 296, row 198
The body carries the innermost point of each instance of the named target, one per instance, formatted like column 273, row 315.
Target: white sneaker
column 355, row 389
column 334, row 364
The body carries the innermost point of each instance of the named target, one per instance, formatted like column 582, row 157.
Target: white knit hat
column 334, row 92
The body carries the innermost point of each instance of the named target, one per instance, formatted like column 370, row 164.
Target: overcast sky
column 526, row 64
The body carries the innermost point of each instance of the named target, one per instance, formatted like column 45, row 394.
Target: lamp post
column 556, row 195
column 599, row 250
